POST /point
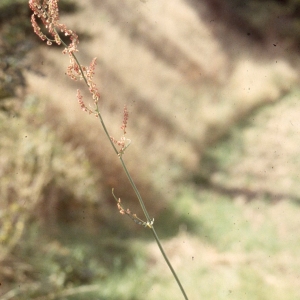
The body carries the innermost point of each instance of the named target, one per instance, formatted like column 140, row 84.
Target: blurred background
column 212, row 89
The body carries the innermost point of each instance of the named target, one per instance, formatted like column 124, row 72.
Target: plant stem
column 168, row 262
column 105, row 129
column 134, row 187
column 135, row 190
column 143, row 208
column 152, row 227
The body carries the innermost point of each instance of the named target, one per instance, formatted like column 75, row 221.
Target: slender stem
column 168, row 262
column 97, row 107
column 152, row 228
column 133, row 186
column 135, row 190
column 105, row 129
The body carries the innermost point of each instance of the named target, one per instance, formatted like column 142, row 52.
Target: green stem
column 135, row 190
column 152, row 228
column 168, row 262
column 105, row 129
column 97, row 108
column 134, row 187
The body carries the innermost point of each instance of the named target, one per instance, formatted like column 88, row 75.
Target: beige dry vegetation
column 266, row 162
column 200, row 94
column 184, row 86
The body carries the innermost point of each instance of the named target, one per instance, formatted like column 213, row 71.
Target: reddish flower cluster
column 89, row 73
column 81, row 103
column 48, row 13
column 122, row 141
column 125, row 119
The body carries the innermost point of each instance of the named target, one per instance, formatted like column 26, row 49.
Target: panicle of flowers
column 90, row 72
column 47, row 11
column 123, row 143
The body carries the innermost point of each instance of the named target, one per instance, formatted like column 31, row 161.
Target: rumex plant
column 47, row 12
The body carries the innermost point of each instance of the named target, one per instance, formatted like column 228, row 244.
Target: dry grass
column 266, row 158
column 184, row 88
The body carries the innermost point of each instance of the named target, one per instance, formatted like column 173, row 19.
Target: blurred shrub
column 41, row 179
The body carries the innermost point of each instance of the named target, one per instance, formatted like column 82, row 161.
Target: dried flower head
column 125, row 119
column 123, row 143
column 47, row 11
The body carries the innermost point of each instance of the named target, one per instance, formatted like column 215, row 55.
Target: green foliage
column 49, row 178
column 246, row 243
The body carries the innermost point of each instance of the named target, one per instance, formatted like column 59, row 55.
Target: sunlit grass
column 233, row 250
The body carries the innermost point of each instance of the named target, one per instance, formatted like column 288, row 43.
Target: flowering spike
column 125, row 119
column 123, row 142
column 48, row 13
column 81, row 103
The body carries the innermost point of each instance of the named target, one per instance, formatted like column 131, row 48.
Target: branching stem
column 131, row 182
